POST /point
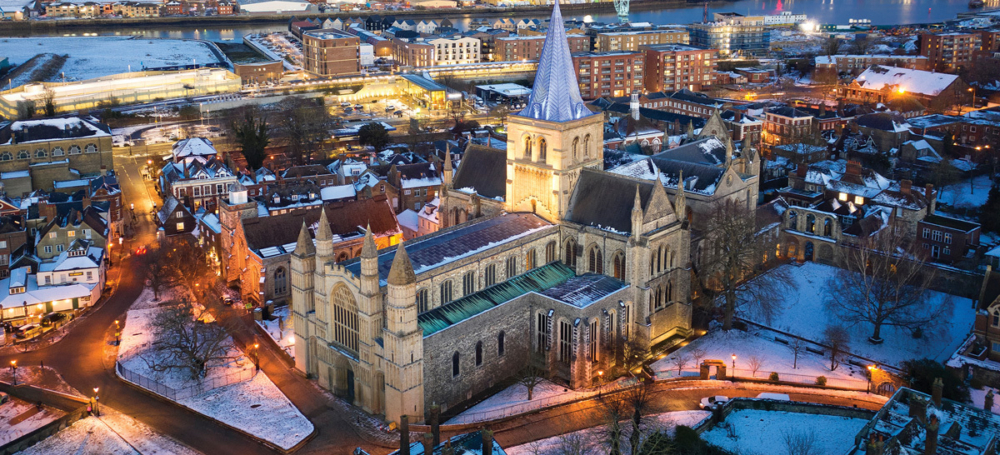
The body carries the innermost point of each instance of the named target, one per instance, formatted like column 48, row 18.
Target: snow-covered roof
column 35, row 295
column 409, row 219
column 331, row 193
column 193, row 147
column 914, row 81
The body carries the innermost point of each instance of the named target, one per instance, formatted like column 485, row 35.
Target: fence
column 202, row 386
column 540, row 403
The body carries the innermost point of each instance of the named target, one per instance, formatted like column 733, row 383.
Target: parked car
column 359, row 107
column 4, row 397
column 28, row 331
column 227, row 301
column 711, row 402
column 775, row 396
column 345, row 104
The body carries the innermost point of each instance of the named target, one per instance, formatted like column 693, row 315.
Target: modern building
column 676, row 66
column 331, row 52
column 950, row 51
column 455, row 50
column 730, row 39
column 259, row 72
column 855, row 64
column 612, row 74
column 444, row 317
column 413, row 53
column 517, row 48
column 631, row 40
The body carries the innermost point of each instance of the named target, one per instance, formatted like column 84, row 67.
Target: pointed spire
column 401, row 273
column 555, row 95
column 637, row 215
column 368, row 248
column 690, row 130
column 448, row 173
column 304, row 246
column 637, row 205
column 729, row 151
column 323, row 232
column 680, row 200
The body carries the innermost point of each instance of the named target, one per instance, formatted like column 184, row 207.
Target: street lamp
column 871, row 372
column 97, row 399
column 256, row 356
column 118, row 333
column 973, row 90
column 734, row 366
column 13, row 370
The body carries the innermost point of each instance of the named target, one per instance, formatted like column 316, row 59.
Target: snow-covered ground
column 591, row 441
column 109, row 434
column 232, row 392
column 961, row 195
column 257, row 407
column 979, row 395
column 281, row 330
column 514, row 400
column 40, row 377
column 750, row 432
column 91, row 57
column 805, row 313
column 773, row 356
column 18, row 418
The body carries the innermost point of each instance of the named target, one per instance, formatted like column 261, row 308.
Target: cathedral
column 547, row 259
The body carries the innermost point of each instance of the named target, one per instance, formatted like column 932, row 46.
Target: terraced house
column 579, row 264
column 51, row 150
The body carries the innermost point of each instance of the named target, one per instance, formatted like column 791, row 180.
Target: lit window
column 859, row 200
column 180, row 226
column 843, row 197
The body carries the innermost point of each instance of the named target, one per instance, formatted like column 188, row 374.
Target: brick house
column 947, row 239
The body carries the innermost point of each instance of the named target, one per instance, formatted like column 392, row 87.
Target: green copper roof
column 466, row 307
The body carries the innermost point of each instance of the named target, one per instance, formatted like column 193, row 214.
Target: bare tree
column 573, row 444
column 883, row 283
column 532, row 374
column 733, row 266
column 183, row 343
column 755, row 363
column 697, row 354
column 250, row 130
column 624, row 412
column 158, row 280
column 632, row 354
column 837, row 338
column 680, row 360
column 501, row 111
column 183, row 262
column 861, row 45
column 302, row 127
column 800, row 443
column 797, row 346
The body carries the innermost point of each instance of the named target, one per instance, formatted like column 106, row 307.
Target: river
column 880, row 12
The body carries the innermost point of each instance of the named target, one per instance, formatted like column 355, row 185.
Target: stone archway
column 824, row 254
column 720, row 369
column 807, row 252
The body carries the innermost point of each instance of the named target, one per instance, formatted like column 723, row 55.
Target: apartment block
column 631, row 40
column 330, row 52
column 678, row 66
column 950, row 51
column 611, row 74
column 514, row 48
column 743, row 39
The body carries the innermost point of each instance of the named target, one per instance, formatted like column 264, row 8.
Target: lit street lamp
column 734, row 366
column 256, row 356
column 13, row 370
column 97, row 399
column 871, row 372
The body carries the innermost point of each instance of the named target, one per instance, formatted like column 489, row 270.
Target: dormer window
column 996, row 318
column 276, row 198
column 842, row 197
column 295, row 197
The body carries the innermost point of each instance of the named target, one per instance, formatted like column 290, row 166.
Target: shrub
column 821, row 381
column 774, row 376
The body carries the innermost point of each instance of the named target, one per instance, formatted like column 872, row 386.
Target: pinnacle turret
column 401, row 273
column 304, row 246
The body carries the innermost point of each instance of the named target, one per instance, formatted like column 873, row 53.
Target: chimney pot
column 487, row 436
column 930, row 446
column 937, row 391
column 905, row 185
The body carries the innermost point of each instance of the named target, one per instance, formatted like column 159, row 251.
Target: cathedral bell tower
column 554, row 137
column 404, row 343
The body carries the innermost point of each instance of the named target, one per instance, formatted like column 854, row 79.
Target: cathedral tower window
column 345, row 318
column 619, row 264
column 542, row 149
column 422, row 301
column 469, row 283
column 479, row 354
column 445, row 292
column 565, row 335
column 500, row 346
column 576, row 148
column 527, row 147
column 586, row 146
column 570, row 252
column 454, row 365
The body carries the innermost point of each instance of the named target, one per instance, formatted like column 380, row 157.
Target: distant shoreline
column 42, row 26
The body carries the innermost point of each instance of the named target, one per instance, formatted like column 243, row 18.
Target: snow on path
column 762, row 432
column 591, row 439
column 281, row 330
column 805, row 313
column 499, row 405
column 774, row 356
column 91, row 57
column 27, row 417
column 108, row 435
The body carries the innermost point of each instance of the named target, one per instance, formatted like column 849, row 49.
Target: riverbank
column 11, row 28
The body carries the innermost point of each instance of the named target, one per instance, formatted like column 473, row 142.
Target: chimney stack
column 988, row 401
column 428, row 443
column 918, row 407
column 487, row 441
column 802, row 170
column 404, row 435
column 938, row 389
column 905, row 185
column 634, row 105
column 930, row 446
column 853, row 168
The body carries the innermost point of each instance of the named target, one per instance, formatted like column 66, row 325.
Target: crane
column 622, row 7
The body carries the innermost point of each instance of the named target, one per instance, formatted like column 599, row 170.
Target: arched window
column 500, row 346
column 586, row 146
column 6, row 156
column 576, row 148
column 479, row 353
column 491, row 275
column 445, row 292
column 345, row 318
column 58, row 151
column 596, row 263
column 827, row 228
column 550, row 252
column 91, row 148
column 996, row 318
column 469, row 283
column 454, row 365
column 619, row 263
column 280, row 281
column 670, row 292
column 542, row 149
column 529, row 260
column 74, row 150
column 811, row 223
column 527, row 147
column 40, row 153
column 570, row 253
column 422, row 300
column 793, row 220
column 511, row 266
column 659, row 254
column 22, row 155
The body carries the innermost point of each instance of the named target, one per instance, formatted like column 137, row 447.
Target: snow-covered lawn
column 37, row 376
column 257, row 407
column 91, row 57
column 18, row 418
column 110, row 434
column 750, row 432
column 961, row 195
column 281, row 330
column 805, row 313
column 774, row 356
column 232, row 392
column 591, row 440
